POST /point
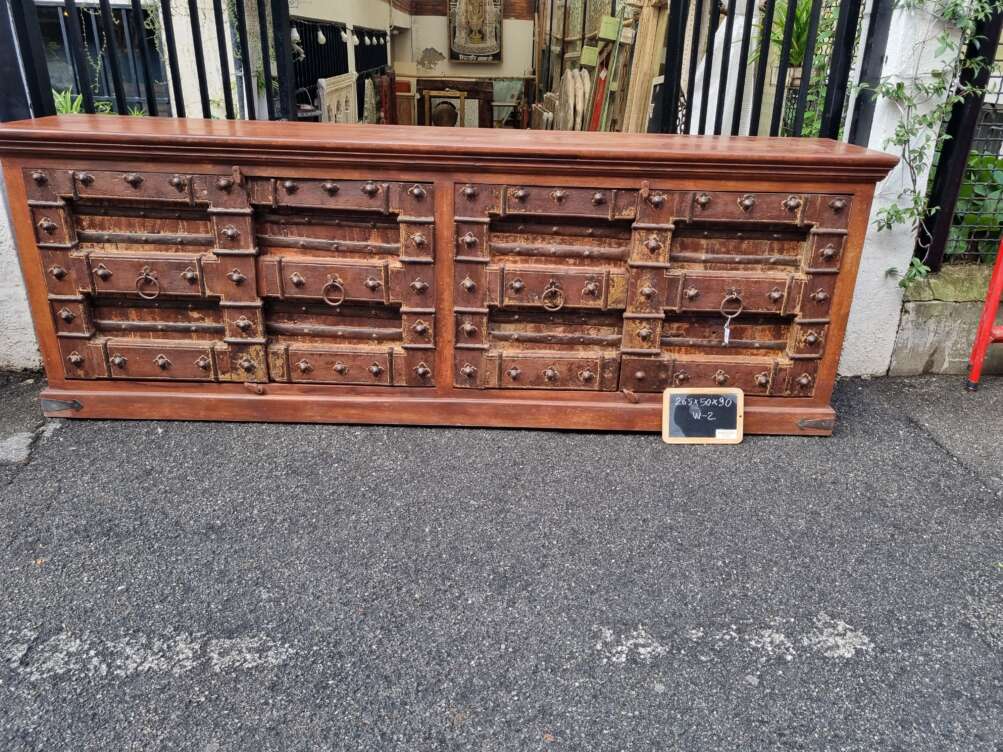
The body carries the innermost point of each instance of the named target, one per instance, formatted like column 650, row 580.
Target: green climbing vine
column 925, row 102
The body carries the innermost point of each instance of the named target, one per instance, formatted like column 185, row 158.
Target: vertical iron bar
column 549, row 50
column 266, row 57
column 870, row 70
column 694, row 59
column 807, row 65
column 64, row 37
column 29, row 34
column 672, row 69
column 108, row 28
column 743, row 64
column 130, row 53
column 193, row 16
column 245, row 60
column 14, row 104
column 960, row 130
column 839, row 67
column 722, row 87
column 780, row 92
column 80, row 61
column 564, row 35
column 224, row 60
column 708, row 68
column 764, row 56
column 138, row 23
column 284, row 59
column 172, row 57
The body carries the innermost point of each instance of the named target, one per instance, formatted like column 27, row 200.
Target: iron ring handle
column 732, row 296
column 338, row 287
column 552, row 298
column 144, row 280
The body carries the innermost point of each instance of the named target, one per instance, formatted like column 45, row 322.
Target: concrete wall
column 939, row 319
column 373, row 14
column 877, row 301
column 423, row 52
column 17, row 338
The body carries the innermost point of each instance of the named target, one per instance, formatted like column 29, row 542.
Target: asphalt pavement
column 210, row 587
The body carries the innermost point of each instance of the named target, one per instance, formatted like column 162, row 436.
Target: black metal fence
column 789, row 75
column 966, row 191
column 104, row 79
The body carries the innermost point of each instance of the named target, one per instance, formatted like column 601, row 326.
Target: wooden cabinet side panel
column 32, row 271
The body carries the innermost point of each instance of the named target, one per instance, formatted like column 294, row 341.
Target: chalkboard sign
column 702, row 416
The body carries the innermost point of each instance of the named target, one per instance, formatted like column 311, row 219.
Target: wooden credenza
column 199, row 269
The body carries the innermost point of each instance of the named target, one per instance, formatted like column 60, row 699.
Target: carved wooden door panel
column 346, row 273
column 150, row 274
column 196, row 277
column 540, row 285
column 584, row 288
column 744, row 297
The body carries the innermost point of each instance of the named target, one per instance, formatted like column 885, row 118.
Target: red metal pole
column 987, row 332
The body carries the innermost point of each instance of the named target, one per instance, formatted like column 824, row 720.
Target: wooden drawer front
column 133, row 184
column 364, row 195
column 527, row 370
column 817, row 300
column 748, row 207
column 570, row 202
column 52, row 225
column 475, row 200
column 752, row 378
column 333, row 283
column 728, row 293
column 417, row 241
column 830, row 211
column 550, row 288
column 82, row 359
column 416, row 284
column 413, row 199
column 656, row 374
column 826, row 250
column 233, row 232
column 801, row 379
column 343, row 366
column 60, row 272
column 472, row 240
column 47, row 184
column 70, row 317
column 149, row 276
column 542, row 370
column 130, row 359
column 418, row 330
column 808, row 339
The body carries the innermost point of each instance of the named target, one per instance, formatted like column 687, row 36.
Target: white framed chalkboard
column 703, row 416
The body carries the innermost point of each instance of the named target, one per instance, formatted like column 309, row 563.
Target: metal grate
column 800, row 53
column 978, row 215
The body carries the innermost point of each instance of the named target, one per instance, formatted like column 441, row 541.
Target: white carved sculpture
column 338, row 99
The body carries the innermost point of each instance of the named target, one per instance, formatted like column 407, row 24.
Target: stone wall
column 939, row 318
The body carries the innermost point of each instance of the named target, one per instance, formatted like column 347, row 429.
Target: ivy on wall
column 925, row 102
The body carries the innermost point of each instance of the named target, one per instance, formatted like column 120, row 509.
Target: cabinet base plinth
column 280, row 406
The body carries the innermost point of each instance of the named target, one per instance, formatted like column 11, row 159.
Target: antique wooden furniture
column 200, row 269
